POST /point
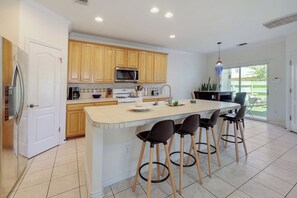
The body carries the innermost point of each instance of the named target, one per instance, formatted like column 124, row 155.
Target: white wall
column 9, row 20
column 291, row 48
column 274, row 55
column 39, row 24
column 185, row 71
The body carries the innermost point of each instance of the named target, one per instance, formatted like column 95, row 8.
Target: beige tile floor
column 269, row 170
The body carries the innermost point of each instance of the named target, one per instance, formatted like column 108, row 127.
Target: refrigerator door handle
column 18, row 73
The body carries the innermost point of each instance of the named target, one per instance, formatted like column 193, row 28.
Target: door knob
column 33, row 105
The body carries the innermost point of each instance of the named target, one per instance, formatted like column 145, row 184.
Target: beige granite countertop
column 121, row 116
column 92, row 100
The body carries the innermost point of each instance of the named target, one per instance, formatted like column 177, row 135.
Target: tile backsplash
column 86, row 90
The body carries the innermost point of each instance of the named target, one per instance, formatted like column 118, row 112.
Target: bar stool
column 237, row 120
column 188, row 127
column 159, row 133
column 209, row 123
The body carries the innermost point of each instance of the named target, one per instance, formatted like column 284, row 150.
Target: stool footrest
column 230, row 141
column 185, row 165
column 212, row 146
column 154, row 181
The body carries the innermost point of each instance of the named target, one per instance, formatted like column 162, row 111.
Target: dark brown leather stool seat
column 159, row 134
column 209, row 123
column 237, row 120
column 188, row 127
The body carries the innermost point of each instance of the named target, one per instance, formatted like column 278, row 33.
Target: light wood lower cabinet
column 76, row 118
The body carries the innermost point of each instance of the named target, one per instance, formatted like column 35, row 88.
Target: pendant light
column 219, row 63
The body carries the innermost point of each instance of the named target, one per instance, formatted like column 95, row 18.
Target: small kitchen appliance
column 126, row 74
column 73, row 93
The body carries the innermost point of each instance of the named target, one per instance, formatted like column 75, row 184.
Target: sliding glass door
column 252, row 80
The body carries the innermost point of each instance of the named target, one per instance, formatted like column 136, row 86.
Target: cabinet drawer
column 163, row 99
column 154, row 99
column 73, row 107
column 106, row 103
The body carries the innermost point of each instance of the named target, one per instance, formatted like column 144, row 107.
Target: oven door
column 126, row 75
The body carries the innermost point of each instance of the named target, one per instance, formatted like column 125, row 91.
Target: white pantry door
column 44, row 88
column 294, row 92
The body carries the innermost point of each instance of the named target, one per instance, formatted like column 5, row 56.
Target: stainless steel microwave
column 126, row 74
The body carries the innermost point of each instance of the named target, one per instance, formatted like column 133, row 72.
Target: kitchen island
column 112, row 147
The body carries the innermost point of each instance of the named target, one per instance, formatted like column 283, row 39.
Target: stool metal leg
column 149, row 179
column 227, row 133
column 158, row 160
column 181, row 164
column 242, row 136
column 170, row 170
column 170, row 146
column 208, row 153
column 138, row 166
column 221, row 133
column 236, row 141
column 197, row 160
column 217, row 148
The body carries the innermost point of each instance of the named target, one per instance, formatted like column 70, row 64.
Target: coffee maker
column 73, row 93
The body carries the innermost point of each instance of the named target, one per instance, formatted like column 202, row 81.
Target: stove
column 123, row 95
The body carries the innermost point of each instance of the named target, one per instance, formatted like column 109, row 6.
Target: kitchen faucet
column 170, row 97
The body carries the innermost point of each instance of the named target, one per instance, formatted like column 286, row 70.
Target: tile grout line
column 291, row 190
column 52, row 173
column 22, row 178
column 263, row 168
column 77, row 165
column 63, row 192
column 234, row 160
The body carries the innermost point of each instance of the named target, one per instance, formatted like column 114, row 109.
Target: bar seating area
column 166, row 130
column 162, row 131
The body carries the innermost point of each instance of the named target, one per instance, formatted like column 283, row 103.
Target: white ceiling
column 198, row 24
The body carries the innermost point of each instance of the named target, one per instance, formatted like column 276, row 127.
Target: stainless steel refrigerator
column 13, row 116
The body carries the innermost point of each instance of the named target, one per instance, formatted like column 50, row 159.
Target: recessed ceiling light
column 172, row 36
column 154, row 10
column 169, row 15
column 98, row 19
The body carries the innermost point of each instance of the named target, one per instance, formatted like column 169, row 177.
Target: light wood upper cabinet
column 74, row 61
column 121, row 57
column 160, row 68
column 126, row 58
column 95, row 63
column 142, row 66
column 99, row 64
column 87, row 62
column 146, row 66
column 132, row 58
column 149, row 74
column 104, row 62
column 109, row 61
